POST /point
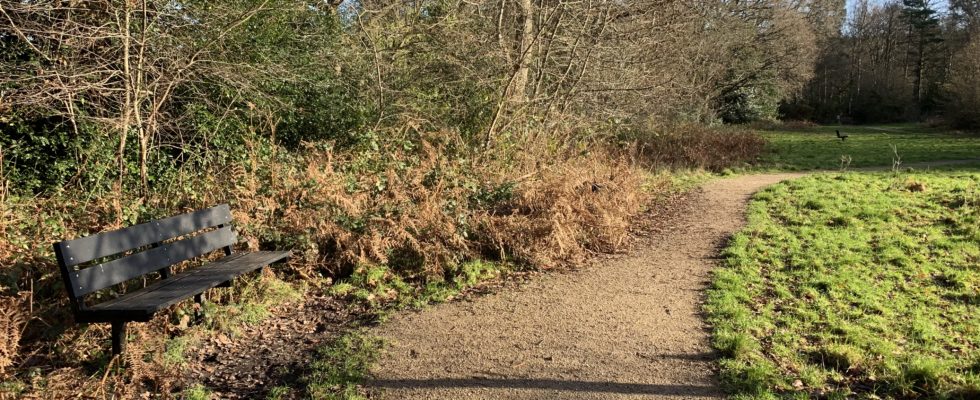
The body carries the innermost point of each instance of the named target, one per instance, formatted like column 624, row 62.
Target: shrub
column 422, row 208
column 560, row 213
column 694, row 146
column 403, row 212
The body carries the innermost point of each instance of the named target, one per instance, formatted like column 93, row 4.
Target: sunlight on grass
column 341, row 367
column 854, row 284
column 866, row 146
column 382, row 289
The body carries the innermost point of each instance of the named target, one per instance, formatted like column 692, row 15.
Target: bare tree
column 115, row 64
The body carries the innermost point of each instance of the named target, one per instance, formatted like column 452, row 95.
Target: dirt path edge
column 626, row 327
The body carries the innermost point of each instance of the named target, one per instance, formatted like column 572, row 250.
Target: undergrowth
column 854, row 286
column 378, row 287
column 696, row 146
column 398, row 220
column 79, row 359
column 418, row 211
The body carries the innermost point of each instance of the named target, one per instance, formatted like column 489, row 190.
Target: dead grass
column 566, row 211
column 694, row 146
column 420, row 207
column 408, row 206
column 11, row 327
column 420, row 211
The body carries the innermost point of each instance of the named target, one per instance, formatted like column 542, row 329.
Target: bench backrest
column 87, row 266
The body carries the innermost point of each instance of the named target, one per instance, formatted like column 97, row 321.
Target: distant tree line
column 898, row 61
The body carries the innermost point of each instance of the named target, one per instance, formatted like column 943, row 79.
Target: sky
column 940, row 5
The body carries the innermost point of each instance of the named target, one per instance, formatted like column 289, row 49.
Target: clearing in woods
column 582, row 334
column 866, row 146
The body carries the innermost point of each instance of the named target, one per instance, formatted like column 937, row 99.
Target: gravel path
column 622, row 328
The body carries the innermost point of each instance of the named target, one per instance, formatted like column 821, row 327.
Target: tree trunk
column 515, row 92
column 518, row 92
column 917, row 79
column 127, row 108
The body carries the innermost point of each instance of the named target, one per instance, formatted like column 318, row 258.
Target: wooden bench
column 97, row 262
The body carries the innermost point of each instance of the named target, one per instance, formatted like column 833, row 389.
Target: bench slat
column 101, row 276
column 186, row 284
column 81, row 250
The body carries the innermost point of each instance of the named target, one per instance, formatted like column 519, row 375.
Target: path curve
column 622, row 328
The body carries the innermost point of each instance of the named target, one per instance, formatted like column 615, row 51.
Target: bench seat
column 142, row 304
column 145, row 252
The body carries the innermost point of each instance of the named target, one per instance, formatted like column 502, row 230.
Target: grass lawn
column 867, row 146
column 854, row 285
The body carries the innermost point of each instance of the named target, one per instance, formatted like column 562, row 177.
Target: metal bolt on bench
column 85, row 270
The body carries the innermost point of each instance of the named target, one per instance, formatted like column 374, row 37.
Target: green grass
column 341, row 367
column 175, row 348
column 867, row 146
column 337, row 370
column 196, row 392
column 382, row 289
column 854, row 285
column 248, row 302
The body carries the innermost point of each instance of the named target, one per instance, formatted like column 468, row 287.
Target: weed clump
column 914, row 186
column 838, row 357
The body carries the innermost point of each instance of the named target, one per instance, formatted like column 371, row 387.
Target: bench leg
column 118, row 337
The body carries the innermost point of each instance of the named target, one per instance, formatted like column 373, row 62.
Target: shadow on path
column 546, row 384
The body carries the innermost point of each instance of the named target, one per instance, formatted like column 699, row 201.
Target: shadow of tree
column 549, row 384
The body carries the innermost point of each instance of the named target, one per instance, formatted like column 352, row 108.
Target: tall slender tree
column 923, row 33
